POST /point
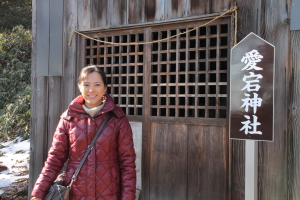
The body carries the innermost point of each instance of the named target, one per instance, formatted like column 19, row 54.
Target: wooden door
column 188, row 161
column 187, row 149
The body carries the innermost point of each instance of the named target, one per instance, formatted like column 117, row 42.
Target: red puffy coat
column 109, row 171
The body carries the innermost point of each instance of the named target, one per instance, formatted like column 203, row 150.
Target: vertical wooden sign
column 252, row 90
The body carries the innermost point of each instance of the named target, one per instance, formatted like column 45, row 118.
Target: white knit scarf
column 93, row 111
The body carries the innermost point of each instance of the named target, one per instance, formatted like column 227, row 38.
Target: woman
column 109, row 171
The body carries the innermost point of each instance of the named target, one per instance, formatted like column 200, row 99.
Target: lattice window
column 189, row 73
column 124, row 68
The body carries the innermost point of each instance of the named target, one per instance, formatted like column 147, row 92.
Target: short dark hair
column 90, row 69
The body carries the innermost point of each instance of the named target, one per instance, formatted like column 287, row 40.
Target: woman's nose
column 91, row 89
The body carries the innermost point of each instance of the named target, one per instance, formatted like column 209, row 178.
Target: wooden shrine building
column 174, row 91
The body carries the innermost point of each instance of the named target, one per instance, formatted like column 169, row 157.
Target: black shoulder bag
column 57, row 190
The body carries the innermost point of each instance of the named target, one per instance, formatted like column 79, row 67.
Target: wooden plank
column 293, row 116
column 54, row 110
column 185, row 120
column 175, row 9
column 42, row 114
column 221, row 6
column 81, row 41
column 168, row 172
column 83, row 14
column 99, row 14
column 272, row 159
column 109, row 10
column 33, row 172
column 136, row 11
column 39, row 108
column 177, row 71
column 127, row 82
column 247, row 22
column 208, row 162
column 145, row 193
column 175, row 22
column 118, row 14
column 207, row 69
column 197, row 68
column 69, row 53
column 154, row 10
column 38, row 141
column 199, row 7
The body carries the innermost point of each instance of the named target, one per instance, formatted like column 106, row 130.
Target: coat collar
column 76, row 110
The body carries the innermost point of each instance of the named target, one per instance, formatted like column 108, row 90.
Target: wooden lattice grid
column 188, row 72
column 124, row 68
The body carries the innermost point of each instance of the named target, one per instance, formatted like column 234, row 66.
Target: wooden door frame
column 146, row 119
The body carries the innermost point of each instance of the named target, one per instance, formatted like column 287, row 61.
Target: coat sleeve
column 57, row 156
column 127, row 156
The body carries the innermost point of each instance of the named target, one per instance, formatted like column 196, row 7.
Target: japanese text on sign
column 252, row 85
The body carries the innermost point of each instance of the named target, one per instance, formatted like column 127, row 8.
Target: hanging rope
column 235, row 26
column 234, row 9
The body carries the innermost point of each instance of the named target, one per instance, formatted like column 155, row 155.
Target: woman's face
column 92, row 89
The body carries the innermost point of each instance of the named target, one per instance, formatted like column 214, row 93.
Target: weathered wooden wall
column 273, row 156
column 293, row 116
column 268, row 19
column 279, row 161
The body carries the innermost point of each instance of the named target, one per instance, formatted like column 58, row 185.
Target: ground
column 16, row 191
column 14, row 173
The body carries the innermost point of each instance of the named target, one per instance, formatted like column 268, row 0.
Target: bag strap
column 89, row 148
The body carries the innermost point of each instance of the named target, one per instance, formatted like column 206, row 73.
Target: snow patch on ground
column 15, row 156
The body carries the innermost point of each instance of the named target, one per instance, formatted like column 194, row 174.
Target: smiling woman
column 109, row 170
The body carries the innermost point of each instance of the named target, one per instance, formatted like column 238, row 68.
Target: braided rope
column 234, row 9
